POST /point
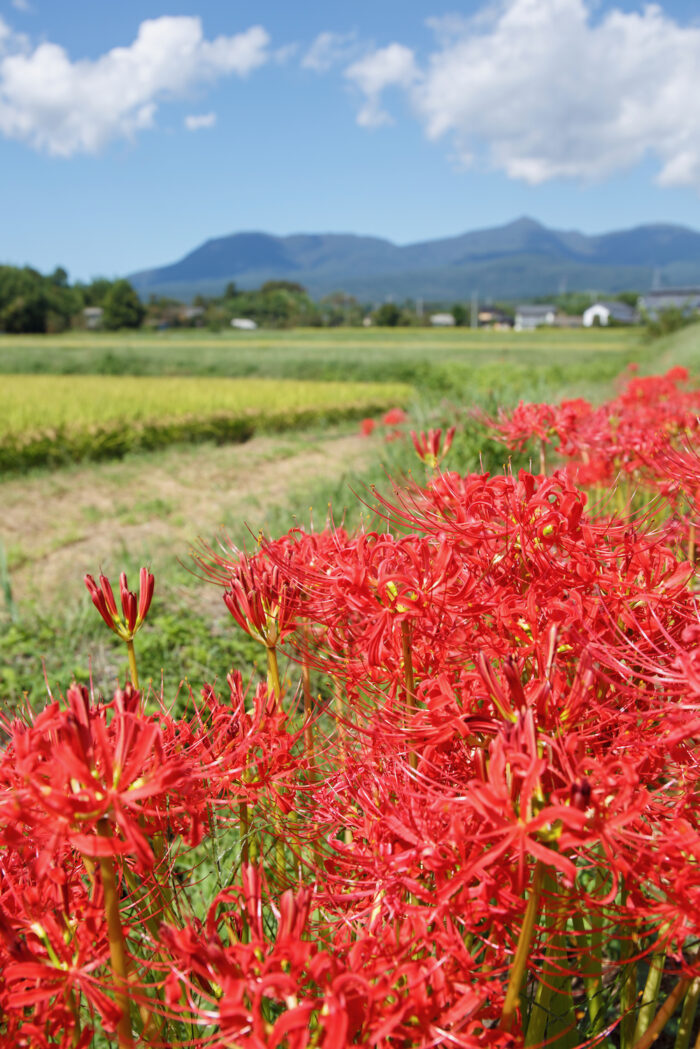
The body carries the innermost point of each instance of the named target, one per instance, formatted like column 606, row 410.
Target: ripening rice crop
column 53, row 418
column 458, row 809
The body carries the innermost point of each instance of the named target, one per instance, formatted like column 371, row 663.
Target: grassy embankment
column 147, row 507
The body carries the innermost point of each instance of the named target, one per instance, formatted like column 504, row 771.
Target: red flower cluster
column 469, row 825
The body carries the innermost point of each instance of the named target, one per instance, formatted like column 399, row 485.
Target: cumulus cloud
column 392, row 66
column 328, row 49
column 542, row 89
column 65, row 107
column 199, row 121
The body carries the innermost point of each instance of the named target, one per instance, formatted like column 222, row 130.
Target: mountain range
column 522, row 259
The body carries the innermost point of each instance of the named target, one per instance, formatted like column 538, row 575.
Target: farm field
column 373, row 354
column 60, row 418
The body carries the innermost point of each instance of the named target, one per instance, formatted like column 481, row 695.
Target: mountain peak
column 521, row 259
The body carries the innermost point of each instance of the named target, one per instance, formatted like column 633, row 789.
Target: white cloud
column 542, row 89
column 328, row 49
column 199, row 121
column 65, row 107
column 24, row 6
column 283, row 54
column 392, row 66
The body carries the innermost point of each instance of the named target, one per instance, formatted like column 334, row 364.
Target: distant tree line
column 34, row 303
column 31, row 303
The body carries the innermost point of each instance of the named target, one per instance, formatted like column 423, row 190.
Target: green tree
column 388, row 315
column 122, row 307
column 460, row 314
column 283, row 285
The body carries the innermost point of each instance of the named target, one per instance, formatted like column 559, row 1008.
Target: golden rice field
column 47, row 419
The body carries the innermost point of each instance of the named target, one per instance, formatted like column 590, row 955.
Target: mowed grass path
column 48, row 419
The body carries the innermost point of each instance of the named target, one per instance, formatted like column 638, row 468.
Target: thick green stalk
column 685, row 1024
column 75, row 1013
column 540, row 1010
column 133, row 671
column 650, row 995
column 590, row 928
column 664, row 1015
column 273, row 674
column 117, row 947
column 522, row 950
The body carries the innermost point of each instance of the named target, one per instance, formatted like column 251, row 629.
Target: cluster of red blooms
column 469, row 819
column 628, row 437
column 391, row 420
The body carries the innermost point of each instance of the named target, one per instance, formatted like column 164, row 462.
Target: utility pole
column 474, row 315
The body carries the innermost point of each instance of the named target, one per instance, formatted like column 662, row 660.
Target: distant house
column 92, row 317
column 243, row 324
column 192, row 315
column 567, row 320
column 687, row 300
column 527, row 318
column 604, row 312
column 490, row 317
column 442, row 320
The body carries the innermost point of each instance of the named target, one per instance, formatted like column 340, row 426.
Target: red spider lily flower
column 105, row 778
column 428, row 446
column 367, row 427
column 261, row 600
column 133, row 611
column 394, row 416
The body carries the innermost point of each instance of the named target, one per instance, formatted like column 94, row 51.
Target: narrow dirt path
column 56, row 527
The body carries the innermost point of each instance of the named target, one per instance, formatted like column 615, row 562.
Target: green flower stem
column 540, row 1010
column 664, row 1015
column 685, row 1024
column 117, row 947
column 590, row 929
column 522, row 951
column 650, row 995
column 552, row 1011
column 273, row 674
column 133, row 671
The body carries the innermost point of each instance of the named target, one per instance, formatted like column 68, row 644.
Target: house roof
column 619, row 311
column 663, row 297
column 535, row 311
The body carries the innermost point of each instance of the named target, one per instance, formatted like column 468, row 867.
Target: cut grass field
column 59, row 418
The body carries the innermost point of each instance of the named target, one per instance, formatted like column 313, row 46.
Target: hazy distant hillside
column 521, row 259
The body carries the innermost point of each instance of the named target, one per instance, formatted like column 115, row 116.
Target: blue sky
column 130, row 133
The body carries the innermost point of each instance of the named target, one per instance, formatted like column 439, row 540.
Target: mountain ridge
column 522, row 258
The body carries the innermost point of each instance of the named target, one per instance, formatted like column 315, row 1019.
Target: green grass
column 375, row 354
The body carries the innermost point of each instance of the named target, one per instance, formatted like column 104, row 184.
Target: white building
column 604, row 312
column 527, row 318
column 442, row 320
column 92, row 317
column 243, row 324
